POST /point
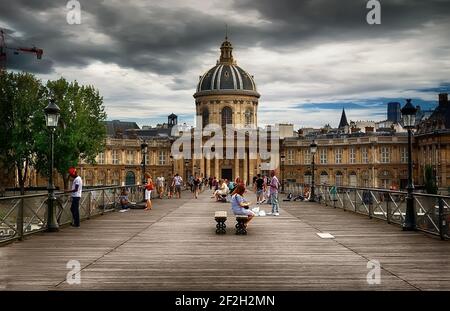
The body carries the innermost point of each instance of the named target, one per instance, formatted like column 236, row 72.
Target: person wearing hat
column 77, row 188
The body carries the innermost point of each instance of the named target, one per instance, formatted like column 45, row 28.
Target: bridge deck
column 174, row 247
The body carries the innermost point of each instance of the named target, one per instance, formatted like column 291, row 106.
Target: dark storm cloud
column 168, row 40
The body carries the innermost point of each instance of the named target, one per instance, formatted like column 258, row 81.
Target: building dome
column 226, row 75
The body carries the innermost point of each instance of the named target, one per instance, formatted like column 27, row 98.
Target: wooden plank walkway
column 174, row 247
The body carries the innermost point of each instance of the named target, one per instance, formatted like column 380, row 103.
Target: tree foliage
column 20, row 95
column 81, row 132
column 25, row 139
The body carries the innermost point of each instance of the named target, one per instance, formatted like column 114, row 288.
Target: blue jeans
column 274, row 200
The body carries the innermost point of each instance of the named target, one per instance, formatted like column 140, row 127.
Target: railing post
column 370, row 205
column 89, row 204
column 442, row 221
column 388, row 212
column 103, row 201
column 356, row 199
column 19, row 221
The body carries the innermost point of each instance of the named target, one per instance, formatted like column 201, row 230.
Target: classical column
column 236, row 166
column 216, row 168
column 202, row 167
column 208, row 168
column 245, row 175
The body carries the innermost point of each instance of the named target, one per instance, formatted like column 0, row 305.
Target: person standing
column 177, row 182
column 259, row 184
column 148, row 192
column 274, row 186
column 196, row 186
column 77, row 188
column 160, row 186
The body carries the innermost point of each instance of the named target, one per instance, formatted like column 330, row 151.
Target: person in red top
column 148, row 192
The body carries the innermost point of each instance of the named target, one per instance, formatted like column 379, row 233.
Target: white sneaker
column 269, row 213
column 276, row 214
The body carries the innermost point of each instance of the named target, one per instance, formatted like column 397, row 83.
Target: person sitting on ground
column 239, row 205
column 307, row 194
column 123, row 200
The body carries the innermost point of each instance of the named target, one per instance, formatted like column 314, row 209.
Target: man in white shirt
column 177, row 181
column 77, row 188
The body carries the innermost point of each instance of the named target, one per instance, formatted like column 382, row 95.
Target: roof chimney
column 443, row 99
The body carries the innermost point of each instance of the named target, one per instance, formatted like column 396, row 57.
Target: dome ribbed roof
column 226, row 77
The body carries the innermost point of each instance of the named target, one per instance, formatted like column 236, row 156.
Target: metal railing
column 432, row 211
column 27, row 214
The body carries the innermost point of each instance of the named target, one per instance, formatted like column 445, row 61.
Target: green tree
column 81, row 133
column 20, row 95
column 430, row 180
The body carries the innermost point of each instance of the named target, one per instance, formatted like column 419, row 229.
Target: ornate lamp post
column 144, row 149
column 313, row 150
column 51, row 119
column 409, row 122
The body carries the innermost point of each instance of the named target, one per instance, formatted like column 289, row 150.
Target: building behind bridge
column 355, row 153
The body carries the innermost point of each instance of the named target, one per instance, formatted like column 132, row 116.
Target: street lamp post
column 313, row 150
column 144, row 150
column 51, row 119
column 409, row 121
column 283, row 158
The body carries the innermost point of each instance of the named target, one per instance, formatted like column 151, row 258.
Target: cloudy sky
column 310, row 58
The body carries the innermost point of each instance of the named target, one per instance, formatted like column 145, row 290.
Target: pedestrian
column 196, row 186
column 177, row 182
column 259, row 184
column 160, row 186
column 274, row 186
column 149, row 187
column 77, row 188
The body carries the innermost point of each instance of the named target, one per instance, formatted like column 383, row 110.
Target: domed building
column 226, row 93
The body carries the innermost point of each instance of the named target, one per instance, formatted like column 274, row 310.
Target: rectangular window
column 101, row 158
column 130, row 157
column 404, row 155
column 364, row 155
column 385, row 155
column 338, row 156
column 323, row 156
column 352, row 156
column 115, row 157
column 162, row 157
column 307, row 158
column 290, row 157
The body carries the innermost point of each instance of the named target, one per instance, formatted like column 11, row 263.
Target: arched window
column 248, row 116
column 130, row 178
column 323, row 178
column 227, row 116
column 205, row 117
column 307, row 178
column 339, row 178
column 353, row 179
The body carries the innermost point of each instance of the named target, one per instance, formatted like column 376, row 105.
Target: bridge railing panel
column 27, row 214
column 432, row 212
